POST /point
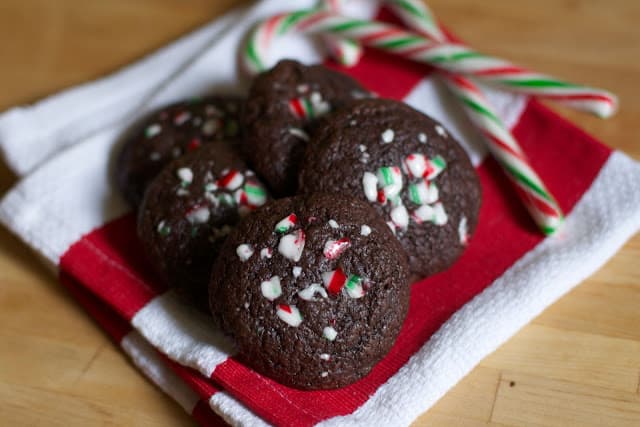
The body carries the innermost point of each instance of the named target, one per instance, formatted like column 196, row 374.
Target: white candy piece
column 370, row 185
column 292, row 245
column 297, row 271
column 299, row 133
column 416, row 164
column 210, row 127
column 265, row 253
column 309, row 293
column 329, row 333
column 271, row 288
column 199, row 215
column 440, row 215
column 390, row 179
column 365, row 230
column 463, row 230
column 422, row 137
column 185, row 175
column 325, row 356
column 289, row 314
column 388, row 136
column 441, row 131
column 244, row 252
column 400, row 216
column 333, row 224
column 422, row 194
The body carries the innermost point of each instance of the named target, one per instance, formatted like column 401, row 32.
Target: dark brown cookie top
column 408, row 167
column 282, row 107
column 314, row 289
column 190, row 208
column 170, row 133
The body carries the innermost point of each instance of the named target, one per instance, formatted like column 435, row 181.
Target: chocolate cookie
column 189, row 209
column 314, row 289
column 282, row 108
column 170, row 133
column 408, row 167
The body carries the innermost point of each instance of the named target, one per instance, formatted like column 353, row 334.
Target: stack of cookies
column 298, row 216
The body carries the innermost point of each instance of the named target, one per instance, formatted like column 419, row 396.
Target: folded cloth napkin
column 67, row 210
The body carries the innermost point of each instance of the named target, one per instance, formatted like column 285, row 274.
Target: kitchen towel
column 68, row 211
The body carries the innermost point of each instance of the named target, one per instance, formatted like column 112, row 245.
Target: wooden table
column 577, row 364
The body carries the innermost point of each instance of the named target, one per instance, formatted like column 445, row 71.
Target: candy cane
column 501, row 143
column 453, row 57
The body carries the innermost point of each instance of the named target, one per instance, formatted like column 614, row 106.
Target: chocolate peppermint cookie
column 169, row 134
column 408, row 167
column 189, row 209
column 313, row 289
column 281, row 110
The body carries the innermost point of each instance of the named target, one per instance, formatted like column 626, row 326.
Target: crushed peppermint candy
column 266, row 253
column 309, row 293
column 299, row 133
column 334, row 248
column 182, row 118
column 333, row 224
column 325, row 357
column 463, row 230
column 231, row 179
column 289, row 314
column 441, row 131
column 163, row 228
column 365, row 230
column 388, row 136
column 271, row 288
column 286, row 224
column 324, row 374
column 390, row 179
column 152, row 130
column 296, row 271
column 198, row 214
column 423, row 193
column 210, row 126
column 335, row 280
column 422, row 137
column 435, row 214
column 329, row 333
column 291, row 245
column 244, row 252
column 400, row 216
column 185, row 175
column 370, row 185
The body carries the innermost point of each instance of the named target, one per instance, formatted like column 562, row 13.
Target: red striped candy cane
column 453, row 57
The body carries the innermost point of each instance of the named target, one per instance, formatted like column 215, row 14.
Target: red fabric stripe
column 117, row 328
column 110, row 262
column 204, row 416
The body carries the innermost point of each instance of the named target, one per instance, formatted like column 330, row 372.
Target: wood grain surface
column 577, row 364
